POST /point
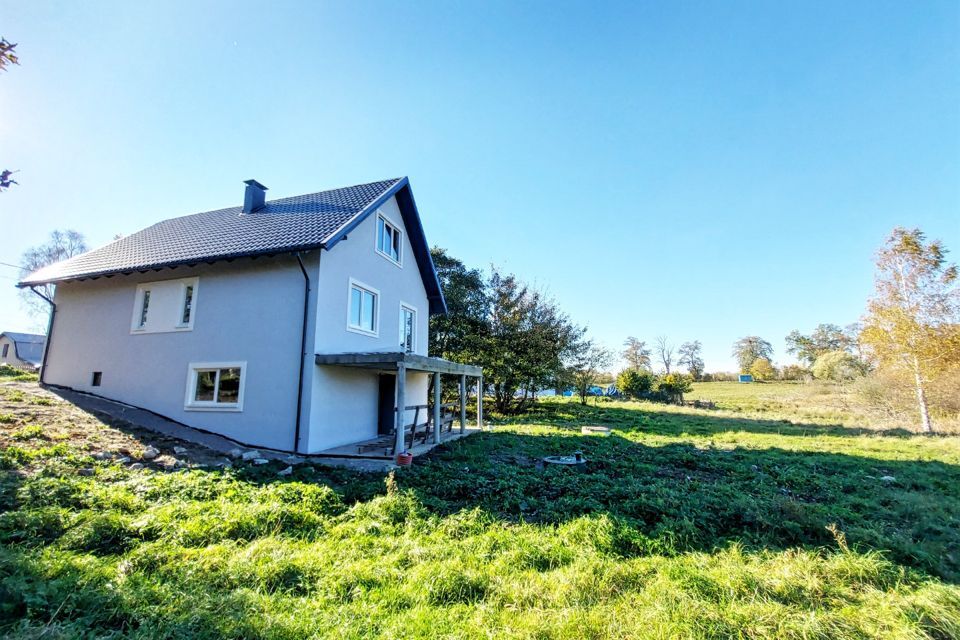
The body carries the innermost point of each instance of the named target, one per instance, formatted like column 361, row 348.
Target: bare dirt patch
column 32, row 418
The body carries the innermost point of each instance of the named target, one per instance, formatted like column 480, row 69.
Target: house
column 297, row 324
column 21, row 350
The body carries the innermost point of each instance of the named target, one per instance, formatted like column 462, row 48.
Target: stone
column 286, row 472
column 179, row 450
column 294, row 459
column 259, row 461
column 887, row 479
column 102, row 455
column 136, row 466
column 235, row 453
column 251, row 455
column 85, row 472
column 150, row 453
column 123, row 460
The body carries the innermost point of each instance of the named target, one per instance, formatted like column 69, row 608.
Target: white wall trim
column 189, row 404
column 164, row 316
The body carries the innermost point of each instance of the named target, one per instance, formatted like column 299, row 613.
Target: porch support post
column 401, row 407
column 436, row 407
column 463, row 403
column 480, row 402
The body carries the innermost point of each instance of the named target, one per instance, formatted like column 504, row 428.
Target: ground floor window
column 215, row 386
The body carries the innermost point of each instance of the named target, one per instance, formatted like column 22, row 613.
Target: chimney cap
column 254, row 183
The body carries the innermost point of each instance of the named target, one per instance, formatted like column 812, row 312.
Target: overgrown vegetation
column 9, row 373
column 771, row 517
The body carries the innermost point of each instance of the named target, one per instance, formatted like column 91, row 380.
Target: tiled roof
column 287, row 224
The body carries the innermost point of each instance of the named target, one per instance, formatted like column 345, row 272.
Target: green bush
column 634, row 383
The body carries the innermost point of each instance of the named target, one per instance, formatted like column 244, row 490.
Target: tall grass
column 684, row 524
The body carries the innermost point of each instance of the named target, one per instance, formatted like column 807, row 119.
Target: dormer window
column 389, row 239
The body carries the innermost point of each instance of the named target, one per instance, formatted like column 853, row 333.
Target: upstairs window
column 215, row 386
column 187, row 305
column 165, row 306
column 362, row 316
column 389, row 239
column 408, row 328
column 144, row 308
column 6, row 350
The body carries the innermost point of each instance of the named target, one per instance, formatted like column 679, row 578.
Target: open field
column 775, row 516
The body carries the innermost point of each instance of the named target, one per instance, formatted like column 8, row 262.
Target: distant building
column 21, row 350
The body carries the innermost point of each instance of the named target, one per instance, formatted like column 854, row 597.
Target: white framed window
column 389, row 240
column 165, row 306
column 142, row 308
column 215, row 386
column 188, row 291
column 408, row 327
column 363, row 309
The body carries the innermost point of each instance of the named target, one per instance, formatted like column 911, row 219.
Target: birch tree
column 912, row 323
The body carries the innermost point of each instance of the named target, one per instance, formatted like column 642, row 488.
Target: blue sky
column 698, row 170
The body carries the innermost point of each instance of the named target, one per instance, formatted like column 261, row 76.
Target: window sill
column 213, row 407
column 396, row 263
column 363, row 332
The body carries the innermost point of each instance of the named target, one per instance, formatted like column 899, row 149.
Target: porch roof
column 392, row 360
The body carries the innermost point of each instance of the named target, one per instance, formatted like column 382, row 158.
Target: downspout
column 46, row 343
column 303, row 350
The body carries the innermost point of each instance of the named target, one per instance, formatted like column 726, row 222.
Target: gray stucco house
column 297, row 324
column 21, row 350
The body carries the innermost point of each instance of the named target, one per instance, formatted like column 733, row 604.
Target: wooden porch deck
column 381, row 448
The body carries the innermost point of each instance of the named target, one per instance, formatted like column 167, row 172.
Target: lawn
column 782, row 514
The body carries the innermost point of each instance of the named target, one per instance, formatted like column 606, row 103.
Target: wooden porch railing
column 417, row 430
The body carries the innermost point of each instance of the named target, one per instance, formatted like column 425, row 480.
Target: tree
column 633, row 383
column 839, row 366
column 912, row 323
column 794, row 372
column 690, row 358
column 747, row 350
column 527, row 342
column 674, row 385
column 458, row 335
column 587, row 362
column 8, row 56
column 60, row 246
column 664, row 352
column 762, row 370
column 825, row 338
column 636, row 353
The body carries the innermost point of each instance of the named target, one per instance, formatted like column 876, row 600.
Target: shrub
column 633, row 383
column 674, row 385
column 838, row 366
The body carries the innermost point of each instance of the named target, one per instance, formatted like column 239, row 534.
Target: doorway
column 386, row 403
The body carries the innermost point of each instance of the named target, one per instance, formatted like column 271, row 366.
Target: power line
column 7, row 264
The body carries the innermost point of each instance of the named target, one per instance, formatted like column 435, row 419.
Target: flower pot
column 405, row 459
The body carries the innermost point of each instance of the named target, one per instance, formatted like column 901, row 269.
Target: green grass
column 757, row 520
column 8, row 373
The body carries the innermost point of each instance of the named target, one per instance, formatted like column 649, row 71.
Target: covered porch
column 416, row 428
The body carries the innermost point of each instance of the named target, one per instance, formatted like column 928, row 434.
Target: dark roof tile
column 287, row 224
